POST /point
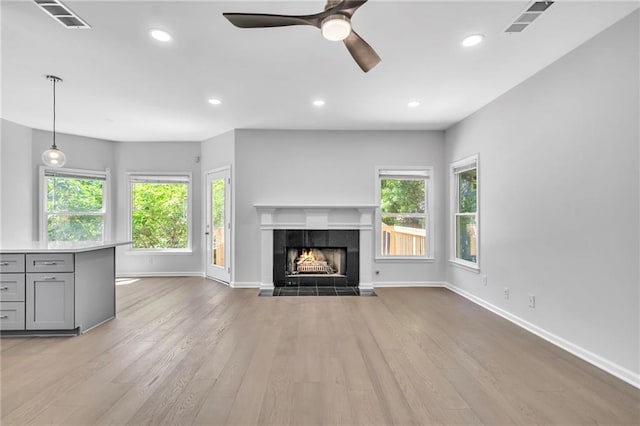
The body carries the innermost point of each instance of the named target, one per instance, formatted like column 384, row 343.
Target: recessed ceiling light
column 160, row 35
column 318, row 102
column 472, row 40
column 413, row 104
column 213, row 101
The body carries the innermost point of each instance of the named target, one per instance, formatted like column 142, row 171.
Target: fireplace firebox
column 316, row 257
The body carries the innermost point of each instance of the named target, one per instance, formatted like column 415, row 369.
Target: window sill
column 466, row 266
column 135, row 252
column 404, row 259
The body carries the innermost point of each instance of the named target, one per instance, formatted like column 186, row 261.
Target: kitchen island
column 60, row 288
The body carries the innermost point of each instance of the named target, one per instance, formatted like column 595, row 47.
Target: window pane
column 74, row 195
column 402, row 236
column 74, row 228
column 466, row 236
column 159, row 215
column 217, row 221
column 402, row 196
column 467, row 191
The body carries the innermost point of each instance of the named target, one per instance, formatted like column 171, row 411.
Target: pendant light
column 53, row 157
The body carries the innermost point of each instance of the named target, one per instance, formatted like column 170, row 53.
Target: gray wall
column 21, row 149
column 16, row 183
column 328, row 167
column 559, row 197
column 82, row 153
column 158, row 157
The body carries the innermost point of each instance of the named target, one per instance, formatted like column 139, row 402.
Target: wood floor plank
column 186, row 351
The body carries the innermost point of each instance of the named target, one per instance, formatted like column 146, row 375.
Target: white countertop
column 58, row 246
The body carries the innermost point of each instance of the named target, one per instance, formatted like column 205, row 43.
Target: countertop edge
column 34, row 248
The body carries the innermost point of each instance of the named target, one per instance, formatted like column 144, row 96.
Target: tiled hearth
column 316, row 291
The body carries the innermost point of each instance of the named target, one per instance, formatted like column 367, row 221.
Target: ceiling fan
column 334, row 22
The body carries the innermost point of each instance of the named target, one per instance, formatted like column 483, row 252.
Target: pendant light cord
column 55, row 80
column 54, row 113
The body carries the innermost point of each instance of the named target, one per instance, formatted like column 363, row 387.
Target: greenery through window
column 465, row 174
column 160, row 212
column 74, row 205
column 403, row 213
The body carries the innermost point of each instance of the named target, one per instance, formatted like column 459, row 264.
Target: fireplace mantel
column 316, row 216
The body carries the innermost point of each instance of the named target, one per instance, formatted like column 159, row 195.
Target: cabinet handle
column 4, row 316
column 4, row 263
column 48, row 278
column 4, row 288
column 49, row 263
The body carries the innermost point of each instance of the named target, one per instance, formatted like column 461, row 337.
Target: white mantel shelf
column 316, row 217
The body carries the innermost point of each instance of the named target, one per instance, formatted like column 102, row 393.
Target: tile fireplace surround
column 316, row 217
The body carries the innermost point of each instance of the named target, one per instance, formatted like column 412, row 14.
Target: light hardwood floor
column 192, row 351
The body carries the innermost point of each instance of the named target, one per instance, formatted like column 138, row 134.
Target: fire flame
column 306, row 256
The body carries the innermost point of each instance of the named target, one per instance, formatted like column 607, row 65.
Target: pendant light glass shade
column 54, row 157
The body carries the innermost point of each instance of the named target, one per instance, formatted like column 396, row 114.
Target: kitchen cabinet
column 63, row 289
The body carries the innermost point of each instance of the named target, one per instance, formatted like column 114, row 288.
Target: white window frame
column 457, row 167
column 81, row 173
column 161, row 177
column 416, row 172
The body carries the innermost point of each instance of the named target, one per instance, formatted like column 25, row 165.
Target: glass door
column 218, row 226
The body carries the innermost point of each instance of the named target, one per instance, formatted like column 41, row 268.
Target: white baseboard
column 244, row 284
column 157, row 274
column 604, row 364
column 409, row 284
column 365, row 286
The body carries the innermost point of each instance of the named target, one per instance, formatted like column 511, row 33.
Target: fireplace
column 280, row 224
column 316, row 257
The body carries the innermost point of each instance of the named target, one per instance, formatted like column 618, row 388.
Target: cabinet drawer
column 10, row 263
column 12, row 287
column 50, row 262
column 11, row 315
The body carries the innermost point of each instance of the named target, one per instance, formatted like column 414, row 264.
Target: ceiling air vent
column 62, row 14
column 533, row 12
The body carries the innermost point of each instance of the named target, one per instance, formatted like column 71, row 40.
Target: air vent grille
column 531, row 13
column 61, row 13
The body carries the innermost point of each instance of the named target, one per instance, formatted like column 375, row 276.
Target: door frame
column 205, row 218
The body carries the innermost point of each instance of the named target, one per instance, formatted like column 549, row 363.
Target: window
column 465, row 212
column 73, row 205
column 404, row 223
column 160, row 212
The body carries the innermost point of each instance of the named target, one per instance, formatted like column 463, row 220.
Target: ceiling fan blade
column 262, row 20
column 363, row 54
column 348, row 6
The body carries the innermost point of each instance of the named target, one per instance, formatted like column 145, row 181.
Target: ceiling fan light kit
column 334, row 22
column 336, row 27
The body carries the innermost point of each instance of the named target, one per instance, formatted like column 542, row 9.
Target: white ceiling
column 121, row 85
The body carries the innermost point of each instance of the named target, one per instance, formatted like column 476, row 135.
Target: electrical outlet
column 532, row 301
column 506, row 292
column 484, row 280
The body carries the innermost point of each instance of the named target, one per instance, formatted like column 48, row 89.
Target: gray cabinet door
column 49, row 303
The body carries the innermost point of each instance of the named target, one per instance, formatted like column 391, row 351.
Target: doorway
column 218, row 224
